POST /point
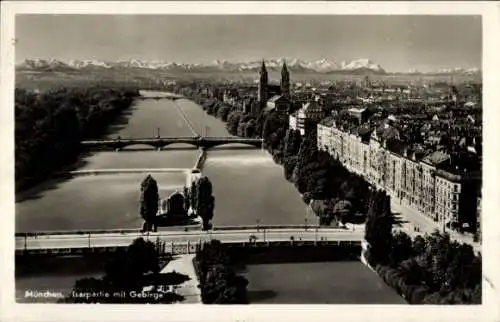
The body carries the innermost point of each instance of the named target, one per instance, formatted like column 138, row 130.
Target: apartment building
column 306, row 117
column 415, row 177
column 447, row 194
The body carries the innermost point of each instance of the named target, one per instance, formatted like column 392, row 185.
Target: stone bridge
column 169, row 97
column 161, row 142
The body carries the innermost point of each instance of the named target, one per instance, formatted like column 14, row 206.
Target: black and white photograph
column 248, row 159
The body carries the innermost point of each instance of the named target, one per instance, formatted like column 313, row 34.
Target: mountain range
column 359, row 66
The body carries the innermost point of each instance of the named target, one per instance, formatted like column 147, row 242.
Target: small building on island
column 173, row 205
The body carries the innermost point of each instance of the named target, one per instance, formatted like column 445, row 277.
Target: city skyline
column 397, row 43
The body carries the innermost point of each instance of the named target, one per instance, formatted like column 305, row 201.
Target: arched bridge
column 161, row 142
column 173, row 98
column 154, row 96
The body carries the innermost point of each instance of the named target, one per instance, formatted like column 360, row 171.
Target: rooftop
column 328, row 121
column 311, row 105
column 436, row 157
column 276, row 98
column 356, row 110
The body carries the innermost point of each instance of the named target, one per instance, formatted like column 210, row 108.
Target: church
column 272, row 97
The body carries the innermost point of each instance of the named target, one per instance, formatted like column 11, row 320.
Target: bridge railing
column 182, row 229
column 53, row 243
column 268, row 227
column 78, row 232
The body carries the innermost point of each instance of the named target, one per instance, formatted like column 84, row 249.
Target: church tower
column 285, row 81
column 262, row 94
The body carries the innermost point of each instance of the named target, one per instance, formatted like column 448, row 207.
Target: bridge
column 161, row 142
column 71, row 243
column 159, row 97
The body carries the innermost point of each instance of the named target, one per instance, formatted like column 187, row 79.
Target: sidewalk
column 426, row 224
column 183, row 264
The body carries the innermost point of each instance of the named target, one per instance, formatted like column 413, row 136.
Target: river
column 248, row 185
column 249, row 188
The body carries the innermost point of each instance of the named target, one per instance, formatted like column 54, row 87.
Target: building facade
column 307, row 117
column 413, row 178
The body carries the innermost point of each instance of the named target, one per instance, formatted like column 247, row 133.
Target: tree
column 233, row 122
column 274, row 130
column 378, row 232
column 242, row 128
column 50, row 125
column 128, row 270
column 293, row 140
column 401, row 248
column 250, row 129
column 187, row 198
column 223, row 112
column 205, row 201
column 193, row 195
column 289, row 166
column 218, row 279
column 149, row 201
column 343, row 211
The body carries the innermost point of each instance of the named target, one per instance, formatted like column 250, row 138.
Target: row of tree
column 126, row 274
column 425, row 270
column 218, row 279
column 50, row 125
column 198, row 197
column 336, row 194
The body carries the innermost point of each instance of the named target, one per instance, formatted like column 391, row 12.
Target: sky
column 397, row 43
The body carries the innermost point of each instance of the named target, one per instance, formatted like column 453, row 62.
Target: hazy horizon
column 397, row 43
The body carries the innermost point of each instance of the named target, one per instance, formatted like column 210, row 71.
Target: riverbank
column 49, row 131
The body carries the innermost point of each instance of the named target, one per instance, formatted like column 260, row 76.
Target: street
column 426, row 225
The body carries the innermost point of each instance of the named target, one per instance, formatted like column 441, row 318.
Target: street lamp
column 308, row 207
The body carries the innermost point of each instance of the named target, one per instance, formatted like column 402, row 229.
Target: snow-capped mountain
column 362, row 64
column 359, row 66
column 43, row 64
column 459, row 70
column 294, row 65
column 324, row 65
column 87, row 63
